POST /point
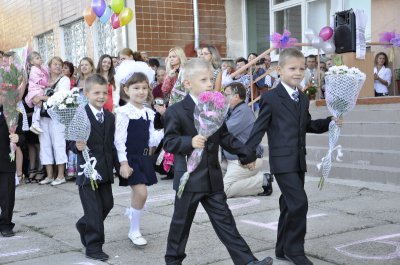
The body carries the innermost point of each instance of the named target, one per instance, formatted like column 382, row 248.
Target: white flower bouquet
column 62, row 107
column 342, row 86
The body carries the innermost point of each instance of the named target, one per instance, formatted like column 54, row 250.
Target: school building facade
column 235, row 27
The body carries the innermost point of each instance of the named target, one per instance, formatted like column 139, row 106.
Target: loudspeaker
column 345, row 31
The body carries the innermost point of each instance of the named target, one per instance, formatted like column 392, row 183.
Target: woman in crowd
column 68, row 71
column 382, row 75
column 52, row 140
column 175, row 60
column 210, row 54
column 105, row 67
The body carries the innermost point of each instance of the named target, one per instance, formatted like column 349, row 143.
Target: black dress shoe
column 266, row 261
column 100, row 255
column 7, row 233
column 267, row 191
column 299, row 260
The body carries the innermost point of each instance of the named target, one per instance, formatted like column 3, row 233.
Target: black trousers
column 96, row 206
column 293, row 205
column 7, row 200
column 221, row 219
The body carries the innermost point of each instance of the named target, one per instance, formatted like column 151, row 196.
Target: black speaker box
column 345, row 31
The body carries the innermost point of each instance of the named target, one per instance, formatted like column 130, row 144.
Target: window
column 299, row 15
column 257, row 25
column 75, row 41
column 107, row 39
column 289, row 19
column 45, row 46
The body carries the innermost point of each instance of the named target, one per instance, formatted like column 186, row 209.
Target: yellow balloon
column 117, row 5
column 125, row 16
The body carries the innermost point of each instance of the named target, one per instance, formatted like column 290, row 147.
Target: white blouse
column 130, row 112
column 385, row 74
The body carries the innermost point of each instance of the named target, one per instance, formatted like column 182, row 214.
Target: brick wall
column 162, row 25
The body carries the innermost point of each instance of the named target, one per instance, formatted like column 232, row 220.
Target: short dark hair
column 241, row 59
column 238, row 88
column 154, row 62
column 70, row 67
column 312, row 56
column 95, row 79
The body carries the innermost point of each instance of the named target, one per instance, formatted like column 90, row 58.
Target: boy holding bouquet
column 96, row 203
column 7, row 171
column 205, row 183
column 284, row 116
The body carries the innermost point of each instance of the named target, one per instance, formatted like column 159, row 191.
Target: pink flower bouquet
column 11, row 76
column 209, row 115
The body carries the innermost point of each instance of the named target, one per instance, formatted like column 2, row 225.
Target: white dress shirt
column 130, row 112
column 385, row 74
column 289, row 90
column 95, row 111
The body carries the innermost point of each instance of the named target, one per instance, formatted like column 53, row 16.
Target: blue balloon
column 106, row 16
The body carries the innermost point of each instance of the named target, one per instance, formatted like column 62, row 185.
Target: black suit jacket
column 286, row 125
column 101, row 146
column 179, row 131
column 6, row 166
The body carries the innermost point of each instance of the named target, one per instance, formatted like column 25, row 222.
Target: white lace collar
column 135, row 113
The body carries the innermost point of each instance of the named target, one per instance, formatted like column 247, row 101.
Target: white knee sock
column 134, row 217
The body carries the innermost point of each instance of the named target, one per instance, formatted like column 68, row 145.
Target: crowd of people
column 140, row 111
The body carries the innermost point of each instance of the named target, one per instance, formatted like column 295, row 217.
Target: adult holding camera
column 52, row 140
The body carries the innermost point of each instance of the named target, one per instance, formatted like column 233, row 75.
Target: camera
column 49, row 92
column 159, row 101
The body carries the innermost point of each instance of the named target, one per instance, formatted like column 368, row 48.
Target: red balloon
column 115, row 23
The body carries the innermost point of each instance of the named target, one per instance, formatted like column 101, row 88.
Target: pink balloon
column 115, row 23
column 326, row 33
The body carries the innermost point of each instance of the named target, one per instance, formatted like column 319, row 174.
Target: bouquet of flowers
column 79, row 130
column 342, row 86
column 209, row 115
column 11, row 76
column 62, row 106
column 178, row 92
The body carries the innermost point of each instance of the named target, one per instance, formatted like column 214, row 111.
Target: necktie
column 295, row 96
column 99, row 116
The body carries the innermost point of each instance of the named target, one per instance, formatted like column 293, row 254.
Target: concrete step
column 340, row 170
column 362, row 157
column 382, row 142
column 381, row 115
column 379, row 174
column 368, row 128
column 374, row 157
column 394, row 106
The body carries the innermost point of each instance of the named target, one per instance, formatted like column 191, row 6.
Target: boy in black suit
column 7, row 172
column 205, row 184
column 96, row 203
column 285, row 117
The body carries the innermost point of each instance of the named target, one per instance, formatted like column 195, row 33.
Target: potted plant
column 311, row 91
